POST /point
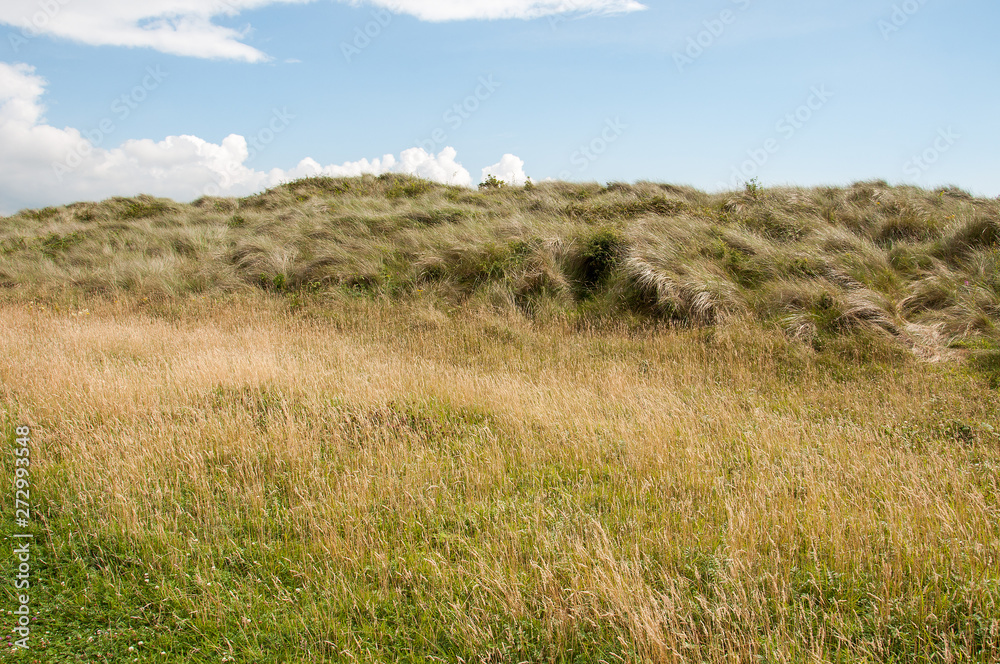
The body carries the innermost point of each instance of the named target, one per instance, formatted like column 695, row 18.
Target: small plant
column 491, row 183
column 529, row 185
column 753, row 188
column 278, row 282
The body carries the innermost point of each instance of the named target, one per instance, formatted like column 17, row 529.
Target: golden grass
column 371, row 480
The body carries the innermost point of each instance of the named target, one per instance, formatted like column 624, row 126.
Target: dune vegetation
column 380, row 419
column 919, row 266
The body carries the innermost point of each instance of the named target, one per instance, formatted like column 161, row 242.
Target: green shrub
column 491, row 183
column 601, row 251
column 276, row 282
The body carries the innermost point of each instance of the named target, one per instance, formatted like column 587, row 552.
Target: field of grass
column 380, row 420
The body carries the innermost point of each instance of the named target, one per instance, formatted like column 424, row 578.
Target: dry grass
column 382, row 420
column 357, row 480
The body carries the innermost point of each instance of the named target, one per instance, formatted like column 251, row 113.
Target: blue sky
column 708, row 93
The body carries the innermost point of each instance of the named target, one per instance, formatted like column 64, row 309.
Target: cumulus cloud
column 186, row 27
column 442, row 167
column 44, row 165
column 510, row 169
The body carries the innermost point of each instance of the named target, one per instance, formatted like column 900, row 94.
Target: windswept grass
column 377, row 419
column 920, row 266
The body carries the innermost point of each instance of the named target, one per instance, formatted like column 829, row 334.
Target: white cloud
column 442, row 167
column 178, row 27
column 44, row 165
column 455, row 10
column 185, row 27
column 510, row 169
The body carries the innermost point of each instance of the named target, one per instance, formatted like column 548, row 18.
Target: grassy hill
column 919, row 266
column 380, row 419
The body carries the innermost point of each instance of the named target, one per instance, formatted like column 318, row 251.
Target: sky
column 186, row 98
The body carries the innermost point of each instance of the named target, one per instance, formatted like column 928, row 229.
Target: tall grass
column 916, row 264
column 573, row 424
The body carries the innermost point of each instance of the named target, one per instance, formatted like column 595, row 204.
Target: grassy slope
column 813, row 260
column 382, row 420
column 921, row 266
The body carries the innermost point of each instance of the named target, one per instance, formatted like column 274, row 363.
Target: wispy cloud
column 186, row 27
column 178, row 27
column 458, row 10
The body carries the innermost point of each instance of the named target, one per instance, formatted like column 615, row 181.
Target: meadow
column 384, row 420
